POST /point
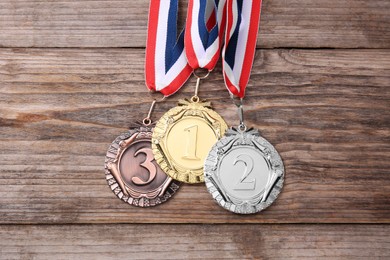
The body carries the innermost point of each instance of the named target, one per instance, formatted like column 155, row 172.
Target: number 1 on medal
column 190, row 152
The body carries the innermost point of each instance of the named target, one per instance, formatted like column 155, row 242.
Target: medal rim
column 162, row 130
column 214, row 160
column 142, row 201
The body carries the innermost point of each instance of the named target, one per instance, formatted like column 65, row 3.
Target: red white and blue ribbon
column 204, row 32
column 166, row 66
column 170, row 60
column 242, row 24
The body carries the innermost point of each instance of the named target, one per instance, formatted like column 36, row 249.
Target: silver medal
column 243, row 172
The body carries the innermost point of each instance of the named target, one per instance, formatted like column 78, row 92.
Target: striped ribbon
column 166, row 66
column 204, row 32
column 242, row 27
column 170, row 60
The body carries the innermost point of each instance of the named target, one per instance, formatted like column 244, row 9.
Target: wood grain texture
column 195, row 242
column 122, row 23
column 326, row 111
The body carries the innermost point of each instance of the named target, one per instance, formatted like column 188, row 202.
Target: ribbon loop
column 166, row 66
column 204, row 32
column 242, row 27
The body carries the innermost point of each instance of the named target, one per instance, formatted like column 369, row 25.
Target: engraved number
column 190, row 152
column 148, row 165
column 244, row 184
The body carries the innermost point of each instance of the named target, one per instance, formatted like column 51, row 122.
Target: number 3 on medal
column 148, row 165
column 190, row 152
column 242, row 184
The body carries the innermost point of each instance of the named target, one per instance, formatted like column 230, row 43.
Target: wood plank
column 195, row 242
column 122, row 23
column 326, row 111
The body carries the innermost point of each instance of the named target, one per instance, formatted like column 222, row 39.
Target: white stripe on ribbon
column 236, row 77
column 159, row 58
column 242, row 40
column 196, row 41
column 164, row 79
column 205, row 55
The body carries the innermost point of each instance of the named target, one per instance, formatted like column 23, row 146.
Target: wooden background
column 72, row 79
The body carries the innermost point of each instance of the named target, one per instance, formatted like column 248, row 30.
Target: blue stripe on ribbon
column 173, row 48
column 230, row 53
column 206, row 37
column 203, row 33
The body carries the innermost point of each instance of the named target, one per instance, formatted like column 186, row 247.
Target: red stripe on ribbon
column 232, row 88
column 166, row 66
column 211, row 21
column 200, row 57
column 172, row 88
column 238, row 88
column 250, row 47
column 190, row 51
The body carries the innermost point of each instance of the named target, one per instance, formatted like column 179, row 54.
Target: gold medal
column 183, row 137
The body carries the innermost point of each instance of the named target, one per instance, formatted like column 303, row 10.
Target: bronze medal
column 133, row 174
column 183, row 137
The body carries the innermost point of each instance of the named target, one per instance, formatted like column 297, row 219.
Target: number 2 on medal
column 242, row 184
column 148, row 165
column 190, row 152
